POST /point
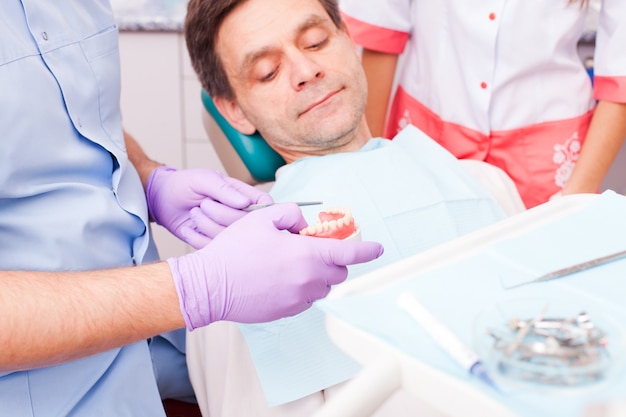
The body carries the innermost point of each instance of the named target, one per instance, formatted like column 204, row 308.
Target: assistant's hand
column 256, row 272
column 174, row 200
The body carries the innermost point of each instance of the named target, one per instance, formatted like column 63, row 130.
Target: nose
column 304, row 70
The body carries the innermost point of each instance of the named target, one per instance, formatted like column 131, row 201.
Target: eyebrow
column 251, row 58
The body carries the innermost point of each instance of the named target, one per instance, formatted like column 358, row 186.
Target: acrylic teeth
column 328, row 225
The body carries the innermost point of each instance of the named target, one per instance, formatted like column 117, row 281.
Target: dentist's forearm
column 139, row 159
column 49, row 318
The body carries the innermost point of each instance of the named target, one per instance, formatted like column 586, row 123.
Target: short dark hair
column 202, row 24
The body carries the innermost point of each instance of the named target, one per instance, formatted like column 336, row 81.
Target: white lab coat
column 481, row 77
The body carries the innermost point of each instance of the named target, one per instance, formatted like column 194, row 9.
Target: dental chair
column 246, row 157
column 250, row 159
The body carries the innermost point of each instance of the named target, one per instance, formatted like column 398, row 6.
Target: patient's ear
column 233, row 114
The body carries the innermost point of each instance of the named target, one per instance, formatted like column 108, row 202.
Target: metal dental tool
column 559, row 273
column 557, row 351
column 252, row 207
column 523, row 331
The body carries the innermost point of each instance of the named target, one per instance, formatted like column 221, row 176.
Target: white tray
column 387, row 369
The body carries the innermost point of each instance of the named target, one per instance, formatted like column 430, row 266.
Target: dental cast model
column 336, row 223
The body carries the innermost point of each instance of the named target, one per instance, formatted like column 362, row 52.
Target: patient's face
column 297, row 78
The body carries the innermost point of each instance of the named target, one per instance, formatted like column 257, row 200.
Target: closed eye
column 318, row 45
column 269, row 76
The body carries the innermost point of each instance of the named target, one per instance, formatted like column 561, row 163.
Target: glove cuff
column 152, row 188
column 192, row 291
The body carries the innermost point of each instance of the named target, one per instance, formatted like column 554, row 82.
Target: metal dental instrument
column 521, row 333
column 252, row 207
column 559, row 273
column 557, row 351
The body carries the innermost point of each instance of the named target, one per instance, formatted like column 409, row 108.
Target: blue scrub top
column 69, row 198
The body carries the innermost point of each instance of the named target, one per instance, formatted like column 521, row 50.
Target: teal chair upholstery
column 259, row 159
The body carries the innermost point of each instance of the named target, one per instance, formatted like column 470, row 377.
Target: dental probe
column 447, row 340
column 300, row 203
column 559, row 273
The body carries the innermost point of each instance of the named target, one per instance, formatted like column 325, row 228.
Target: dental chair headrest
column 259, row 159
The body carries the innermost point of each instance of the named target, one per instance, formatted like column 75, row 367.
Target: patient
column 291, row 72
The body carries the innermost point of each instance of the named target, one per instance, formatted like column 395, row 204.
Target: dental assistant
column 80, row 286
column 500, row 81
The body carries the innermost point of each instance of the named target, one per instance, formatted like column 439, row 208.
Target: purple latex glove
column 174, row 199
column 256, row 272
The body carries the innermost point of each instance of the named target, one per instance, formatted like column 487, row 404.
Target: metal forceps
column 559, row 273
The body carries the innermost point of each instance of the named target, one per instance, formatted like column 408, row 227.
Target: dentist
column 83, row 297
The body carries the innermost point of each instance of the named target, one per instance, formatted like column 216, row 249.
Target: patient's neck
column 359, row 137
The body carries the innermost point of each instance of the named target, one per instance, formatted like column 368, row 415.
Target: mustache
column 313, row 97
